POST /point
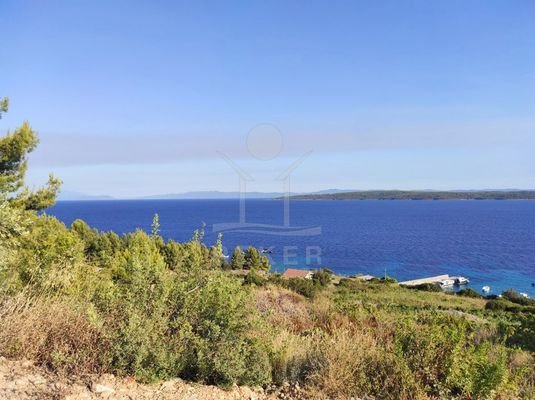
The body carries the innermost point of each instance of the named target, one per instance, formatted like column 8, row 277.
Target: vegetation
column 427, row 287
column 77, row 300
column 469, row 292
column 422, row 195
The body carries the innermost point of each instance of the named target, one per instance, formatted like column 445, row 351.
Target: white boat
column 461, row 280
column 447, row 282
column 485, row 289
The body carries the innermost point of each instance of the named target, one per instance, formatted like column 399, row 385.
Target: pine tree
column 238, row 259
column 216, row 253
column 265, row 264
column 252, row 258
column 14, row 150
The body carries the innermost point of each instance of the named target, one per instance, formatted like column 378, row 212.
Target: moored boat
column 461, row 280
column 447, row 282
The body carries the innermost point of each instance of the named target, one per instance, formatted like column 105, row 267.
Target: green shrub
column 445, row 361
column 222, row 340
column 50, row 260
column 384, row 279
column 497, row 305
column 305, row 287
column 426, row 287
column 253, row 278
column 523, row 335
column 190, row 323
column 276, row 279
column 347, row 283
column 323, row 276
column 469, row 292
column 513, row 296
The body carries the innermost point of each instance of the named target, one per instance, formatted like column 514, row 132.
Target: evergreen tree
column 252, row 259
column 216, row 253
column 264, row 263
column 238, row 259
column 4, row 105
column 12, row 225
column 14, row 150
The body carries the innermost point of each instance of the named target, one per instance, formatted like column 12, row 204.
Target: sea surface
column 490, row 242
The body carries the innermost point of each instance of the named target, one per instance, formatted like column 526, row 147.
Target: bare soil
column 22, row 380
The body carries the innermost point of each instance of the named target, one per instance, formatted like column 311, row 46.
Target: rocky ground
column 22, row 380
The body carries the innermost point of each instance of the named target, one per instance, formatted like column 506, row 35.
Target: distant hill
column 422, row 195
column 72, row 196
column 215, row 195
column 234, row 195
column 329, row 194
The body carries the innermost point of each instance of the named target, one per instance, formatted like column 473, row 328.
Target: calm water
column 490, row 242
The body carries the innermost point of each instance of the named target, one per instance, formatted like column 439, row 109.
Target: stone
column 99, row 388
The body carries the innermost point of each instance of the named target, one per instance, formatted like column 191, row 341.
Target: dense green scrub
column 76, row 300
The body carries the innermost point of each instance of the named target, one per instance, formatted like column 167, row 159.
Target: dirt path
column 22, row 380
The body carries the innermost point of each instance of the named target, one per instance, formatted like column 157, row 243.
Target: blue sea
column 490, row 242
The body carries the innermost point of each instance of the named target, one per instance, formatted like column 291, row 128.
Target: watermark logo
column 265, row 142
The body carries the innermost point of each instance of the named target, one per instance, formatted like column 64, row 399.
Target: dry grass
column 524, row 361
column 313, row 343
column 290, row 357
column 53, row 334
column 284, row 309
column 351, row 363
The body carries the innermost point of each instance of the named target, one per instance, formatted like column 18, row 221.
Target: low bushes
column 57, row 335
column 134, row 316
column 80, row 301
column 384, row 279
column 469, row 292
column 305, row 287
column 446, row 361
column 514, row 297
column 426, row 287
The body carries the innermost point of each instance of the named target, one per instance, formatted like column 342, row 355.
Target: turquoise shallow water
column 490, row 242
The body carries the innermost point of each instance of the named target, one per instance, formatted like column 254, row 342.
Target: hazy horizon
column 221, row 195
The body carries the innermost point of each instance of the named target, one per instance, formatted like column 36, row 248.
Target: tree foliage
column 238, row 258
column 14, row 149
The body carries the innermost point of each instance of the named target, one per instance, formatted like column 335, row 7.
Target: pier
column 432, row 279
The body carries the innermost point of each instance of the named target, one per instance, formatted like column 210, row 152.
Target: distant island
column 66, row 195
column 329, row 194
column 200, row 195
column 422, row 195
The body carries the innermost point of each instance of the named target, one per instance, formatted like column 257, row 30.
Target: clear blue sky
column 134, row 98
